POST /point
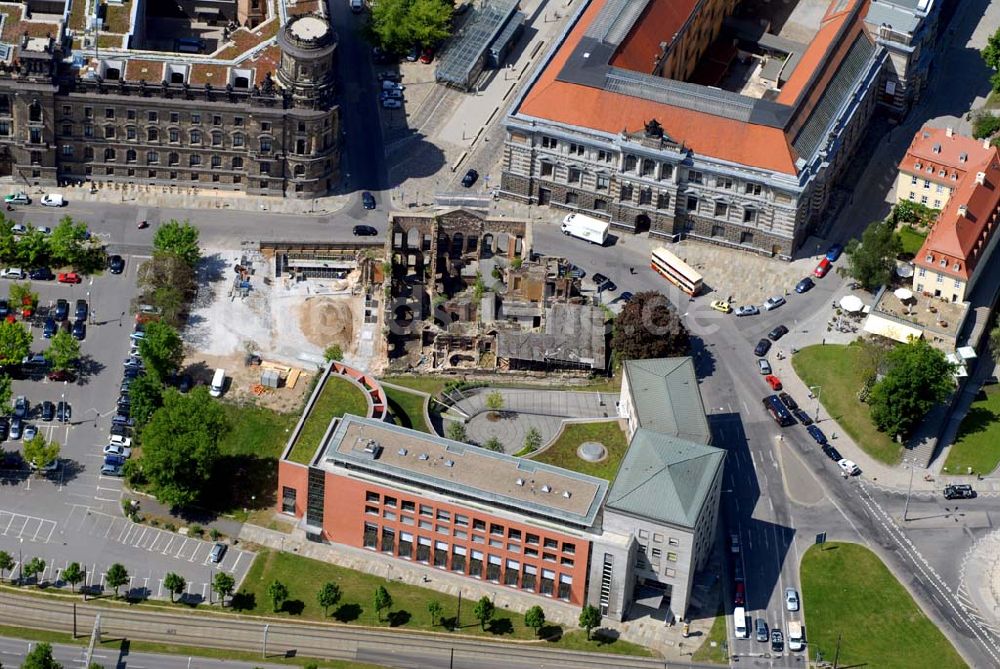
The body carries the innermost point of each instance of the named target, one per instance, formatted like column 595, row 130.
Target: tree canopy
column 382, row 600
column 174, row 583
column 116, row 576
column 590, row 617
column 66, row 243
column 277, row 592
column 179, row 239
column 917, row 377
column 328, row 595
column 40, row 657
column 398, row 25
column 39, row 452
column 15, row 342
column 181, row 445
column 872, row 260
column 534, row 618
column 223, row 584
column 162, row 350
column 649, row 327
column 63, row 352
column 145, row 397
column 484, row 611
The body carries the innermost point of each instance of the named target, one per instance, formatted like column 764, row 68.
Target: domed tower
column 307, row 47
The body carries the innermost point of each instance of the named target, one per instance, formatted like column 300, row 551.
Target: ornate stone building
column 258, row 115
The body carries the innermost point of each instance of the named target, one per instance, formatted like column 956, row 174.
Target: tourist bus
column 676, row 271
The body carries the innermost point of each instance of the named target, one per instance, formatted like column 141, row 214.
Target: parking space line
column 159, row 589
column 181, row 549
column 166, row 549
column 140, row 537
column 23, row 525
column 159, row 535
column 2, row 513
column 111, row 525
column 132, row 529
column 125, row 528
column 194, row 555
column 232, row 570
column 147, row 542
column 52, row 528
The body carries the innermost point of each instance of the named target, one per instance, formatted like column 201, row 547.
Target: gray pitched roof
column 667, row 398
column 665, row 478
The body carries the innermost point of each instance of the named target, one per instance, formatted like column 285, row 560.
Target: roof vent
column 981, row 178
column 926, row 135
column 567, row 494
column 963, row 157
column 449, row 463
column 402, row 451
column 962, row 210
column 986, row 143
column 546, row 488
column 936, row 148
column 372, row 449
column 520, row 482
column 422, row 456
column 918, row 165
column 950, row 132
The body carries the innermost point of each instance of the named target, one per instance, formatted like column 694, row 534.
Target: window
column 109, row 112
column 663, row 200
column 442, row 529
column 175, row 117
column 216, row 119
column 423, row 549
column 460, row 534
column 565, row 585
column 672, row 556
column 648, row 167
column 643, row 534
column 88, row 153
column 513, row 534
column 572, row 199
column 173, row 158
column 443, row 515
column 531, row 539
column 371, row 496
column 656, row 553
column 67, row 150
column 265, row 168
column 927, row 184
column 630, row 163
column 109, row 132
column 600, row 205
column 493, row 568
column 752, row 189
column 645, row 196
column 626, row 193
column 529, row 577
column 388, row 540
column 569, row 549
column 237, row 121
column 35, row 135
column 511, row 573
column 265, row 126
column 921, row 272
column 695, row 177
column 462, row 521
column 302, row 126
column 567, row 562
column 88, row 112
column 405, row 549
column 67, row 130
column 548, row 582
column 406, row 505
column 603, row 182
column 389, row 502
column 692, row 203
column 496, row 530
column 604, row 156
column 371, row 536
column 216, row 162
column 174, row 135
column 549, row 143
column 671, row 541
column 152, row 116
column 196, row 137
column 575, row 175
column 426, row 510
column 196, row 119
column 195, row 160
column 476, row 564
column 440, row 554
column 238, row 139
column 152, row 134
column 371, row 510
column 913, row 181
column 496, row 543
column 265, row 145
column 216, row 139
column 749, row 215
column 458, row 559
column 547, row 169
column 288, row 499
column 426, row 525
column 406, row 520
column 923, row 199
column 479, row 525
column 5, row 128
column 109, row 154
column 576, row 149
column 551, row 543
column 130, row 156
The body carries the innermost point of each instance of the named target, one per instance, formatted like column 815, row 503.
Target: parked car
column 64, row 412
column 368, row 200
column 764, row 366
column 802, row 417
column 44, row 229
column 791, row 599
column 117, row 449
column 721, row 305
column 41, row 274
column 740, row 595
column 112, row 470
column 625, row 297
column 762, row 347
column 30, row 431
column 470, row 178
column 804, row 285
column 218, row 552
column 20, row 197
column 4, row 308
column 599, row 279
column 132, row 372
column 777, row 641
column 747, row 310
column 15, row 273
column 62, row 310
column 834, row 252
column 822, row 268
column 50, row 328
column 16, row 427
column 773, row 302
column 69, row 277
column 773, row 381
column 734, row 543
column 116, row 264
column 365, row 231
column 816, row 434
column 53, row 200
column 4, row 427
column 21, row 406
column 82, row 310
column 391, row 103
column 116, row 460
column 609, row 286
column 426, row 56
column 20, row 229
column 959, row 491
column 61, row 375
column 849, row 466
column 762, row 632
column 185, row 383
column 413, row 54
column 48, row 411
column 777, row 333
column 832, row 453
column 391, row 94
column 119, row 440
column 80, row 330
column 787, row 400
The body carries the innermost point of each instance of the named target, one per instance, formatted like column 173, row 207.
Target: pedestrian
column 631, row 270
column 824, row 341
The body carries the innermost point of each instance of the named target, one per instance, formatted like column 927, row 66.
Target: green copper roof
column 667, row 398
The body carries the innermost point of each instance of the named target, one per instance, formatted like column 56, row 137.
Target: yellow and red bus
column 676, row 271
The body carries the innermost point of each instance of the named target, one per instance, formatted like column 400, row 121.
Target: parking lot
column 74, row 515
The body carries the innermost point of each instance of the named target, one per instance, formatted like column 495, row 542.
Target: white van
column 740, row 629
column 218, row 383
column 795, row 637
column 357, row 6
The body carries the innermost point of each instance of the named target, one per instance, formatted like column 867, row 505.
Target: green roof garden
column 338, row 397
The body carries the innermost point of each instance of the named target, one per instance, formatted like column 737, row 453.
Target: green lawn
column 434, row 384
column 407, row 409
column 978, row 442
column 912, row 239
column 339, row 396
column 846, row 590
column 563, row 452
column 718, row 635
column 304, row 576
column 837, row 370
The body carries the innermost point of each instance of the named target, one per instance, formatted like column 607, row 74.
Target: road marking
column 239, row 557
column 125, row 529
column 166, row 549
column 141, row 537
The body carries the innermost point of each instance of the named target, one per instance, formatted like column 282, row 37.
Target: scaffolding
column 463, row 61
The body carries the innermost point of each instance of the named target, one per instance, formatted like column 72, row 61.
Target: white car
column 13, row 273
column 764, row 366
column 391, row 94
column 849, row 467
column 44, row 229
column 773, row 302
column 115, row 449
column 118, row 440
column 391, row 104
column 53, row 200
column 20, row 229
column 791, row 599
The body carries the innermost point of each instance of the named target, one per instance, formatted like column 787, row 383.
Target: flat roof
column 458, row 469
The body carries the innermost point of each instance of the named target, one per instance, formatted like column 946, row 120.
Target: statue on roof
column 654, row 129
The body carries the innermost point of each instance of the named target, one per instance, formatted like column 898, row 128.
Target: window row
column 154, row 116
column 724, row 182
column 173, row 135
column 574, row 149
column 153, row 158
column 468, row 561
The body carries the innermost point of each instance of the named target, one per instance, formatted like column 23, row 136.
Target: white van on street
column 740, row 629
column 218, row 383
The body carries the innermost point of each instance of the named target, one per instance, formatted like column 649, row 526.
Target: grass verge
column 717, row 635
column 434, row 384
column 407, row 408
column 911, row 239
column 875, row 615
column 339, row 396
column 977, row 446
column 563, row 452
column 836, row 370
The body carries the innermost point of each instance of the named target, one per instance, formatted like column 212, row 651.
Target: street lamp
column 906, row 507
column 819, row 390
column 20, row 561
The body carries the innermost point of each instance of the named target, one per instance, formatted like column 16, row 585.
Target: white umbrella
column 851, row 303
column 903, row 294
column 905, row 271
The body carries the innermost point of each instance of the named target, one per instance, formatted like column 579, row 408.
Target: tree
column 145, row 397
column 383, row 601
column 918, row 376
column 435, row 609
column 66, row 243
column 456, row 431
column 532, row 439
column 534, row 618
column 39, row 453
column 333, row 353
column 590, row 617
column 484, row 611
column 33, row 567
column 40, row 657
column 181, row 445
column 872, row 260
column 73, row 574
column 399, row 24
column 328, row 595
column 6, row 392
column 991, row 52
column 8, row 242
column 493, row 444
column 223, row 584
column 994, row 347
column 277, row 592
column 32, row 248
column 6, row 563
column 174, row 583
column 116, row 576
column 63, row 352
column 984, row 123
column 179, row 239
column 494, row 401
column 15, row 342
column 21, row 295
column 162, row 350
column 649, row 327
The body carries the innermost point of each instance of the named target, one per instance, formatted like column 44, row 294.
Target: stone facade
column 908, row 34
column 276, row 137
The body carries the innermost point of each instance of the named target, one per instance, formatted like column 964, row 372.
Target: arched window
column 196, row 137
column 238, row 139
column 300, row 170
column 130, row 156
column 195, row 160
column 216, row 161
column 35, row 111
column 216, row 138
column 237, row 163
column 109, row 154
column 173, row 158
column 152, row 135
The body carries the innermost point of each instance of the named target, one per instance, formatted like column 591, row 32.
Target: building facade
column 907, row 30
column 264, row 122
column 936, row 162
column 605, row 130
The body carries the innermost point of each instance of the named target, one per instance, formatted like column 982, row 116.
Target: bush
column 985, row 124
column 333, row 353
column 196, row 530
column 215, row 534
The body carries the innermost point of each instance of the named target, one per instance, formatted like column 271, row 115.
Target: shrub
column 985, row 124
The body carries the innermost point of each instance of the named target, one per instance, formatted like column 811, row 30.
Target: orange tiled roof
column 658, row 23
column 964, row 226
column 933, row 148
column 815, row 57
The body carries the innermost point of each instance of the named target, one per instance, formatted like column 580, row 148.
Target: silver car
column 773, row 302
column 791, row 599
column 764, row 366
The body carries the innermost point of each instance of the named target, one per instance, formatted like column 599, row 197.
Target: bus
column 676, row 271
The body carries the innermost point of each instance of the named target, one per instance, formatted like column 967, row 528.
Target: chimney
column 963, row 157
column 962, row 210
column 981, row 178
column 950, row 132
column 936, row 148
column 986, row 142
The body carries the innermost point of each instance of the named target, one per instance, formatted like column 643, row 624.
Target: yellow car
column 719, row 305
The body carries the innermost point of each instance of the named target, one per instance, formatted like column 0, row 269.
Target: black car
column 609, row 286
column 777, row 333
column 787, row 400
column 62, row 310
column 63, row 411
column 625, row 297
column 184, row 383
column 804, row 285
column 121, row 419
column 50, row 327
column 364, row 231
column 4, row 427
column 470, row 178
column 832, row 452
column 82, row 310
column 48, row 411
column 80, row 330
column 777, row 641
column 368, row 200
column 116, row 264
column 120, row 430
column 131, row 373
column 41, row 274
column 817, row 434
column 4, row 309
column 762, row 347
column 802, row 417
column 959, row 491
column 599, row 278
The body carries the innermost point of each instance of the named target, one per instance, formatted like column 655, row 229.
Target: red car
column 822, row 268
column 426, row 56
column 69, row 277
column 773, row 381
column 740, row 599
